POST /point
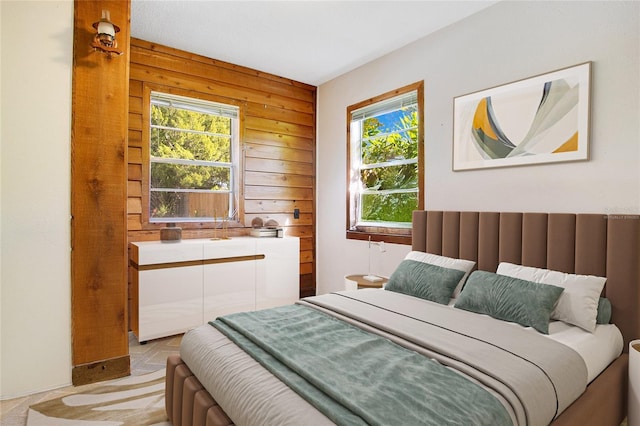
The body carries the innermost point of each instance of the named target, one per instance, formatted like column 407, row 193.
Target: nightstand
column 356, row 282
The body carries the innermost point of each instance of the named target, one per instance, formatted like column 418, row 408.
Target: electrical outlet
column 296, row 213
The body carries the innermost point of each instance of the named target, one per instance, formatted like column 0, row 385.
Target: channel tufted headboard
column 588, row 244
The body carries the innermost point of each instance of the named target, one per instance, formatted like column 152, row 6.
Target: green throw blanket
column 354, row 377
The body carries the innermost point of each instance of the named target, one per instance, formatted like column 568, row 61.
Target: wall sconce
column 105, row 38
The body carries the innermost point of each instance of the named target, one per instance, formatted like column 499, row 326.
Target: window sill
column 400, row 238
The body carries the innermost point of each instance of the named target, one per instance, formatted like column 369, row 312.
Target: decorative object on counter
column 270, row 228
column 171, row 233
column 224, row 226
column 263, row 232
column 271, row 224
column 225, row 229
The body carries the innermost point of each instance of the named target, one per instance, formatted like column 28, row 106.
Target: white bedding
column 216, row 362
column 598, row 350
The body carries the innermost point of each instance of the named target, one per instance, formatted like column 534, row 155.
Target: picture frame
column 541, row 119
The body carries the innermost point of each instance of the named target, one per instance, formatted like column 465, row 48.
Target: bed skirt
column 603, row 403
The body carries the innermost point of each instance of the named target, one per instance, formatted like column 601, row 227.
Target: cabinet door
column 278, row 274
column 170, row 301
column 231, row 248
column 154, row 253
column 229, row 287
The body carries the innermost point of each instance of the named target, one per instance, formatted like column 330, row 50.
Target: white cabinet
column 162, row 310
column 229, row 277
column 178, row 286
column 277, row 270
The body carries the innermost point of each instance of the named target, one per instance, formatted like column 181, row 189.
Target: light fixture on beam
column 105, row 38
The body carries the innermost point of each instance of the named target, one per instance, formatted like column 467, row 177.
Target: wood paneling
column 134, row 205
column 278, row 153
column 283, row 219
column 277, row 193
column 272, row 126
column 134, row 172
column 277, row 179
column 277, row 141
column 135, row 155
column 258, row 137
column 134, row 188
column 280, row 114
column 135, row 137
column 172, row 78
column 167, row 58
column 275, row 206
column 307, row 286
column 100, row 346
column 278, row 166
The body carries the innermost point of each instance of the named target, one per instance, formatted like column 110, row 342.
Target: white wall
column 35, row 286
column 506, row 42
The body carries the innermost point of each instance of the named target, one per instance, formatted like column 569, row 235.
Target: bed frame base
column 605, row 400
column 603, row 403
column 187, row 402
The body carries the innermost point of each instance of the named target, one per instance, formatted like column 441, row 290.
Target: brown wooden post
column 99, row 197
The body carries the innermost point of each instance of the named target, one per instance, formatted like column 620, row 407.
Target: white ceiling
column 307, row 41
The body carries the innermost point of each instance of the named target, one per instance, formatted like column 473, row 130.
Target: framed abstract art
column 541, row 119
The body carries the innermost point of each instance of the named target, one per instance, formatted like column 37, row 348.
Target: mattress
column 597, row 349
column 215, row 360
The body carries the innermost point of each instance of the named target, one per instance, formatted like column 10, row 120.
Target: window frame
column 389, row 234
column 238, row 165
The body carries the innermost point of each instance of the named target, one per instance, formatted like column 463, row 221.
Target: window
column 193, row 159
column 385, row 157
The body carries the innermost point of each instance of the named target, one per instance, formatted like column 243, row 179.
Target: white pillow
column 446, row 262
column 578, row 303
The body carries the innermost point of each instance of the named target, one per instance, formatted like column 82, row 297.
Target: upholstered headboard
column 588, row 244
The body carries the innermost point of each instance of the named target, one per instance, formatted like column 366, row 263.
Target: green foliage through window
column 384, row 155
column 192, row 149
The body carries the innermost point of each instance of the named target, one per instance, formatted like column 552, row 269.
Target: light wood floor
column 144, row 359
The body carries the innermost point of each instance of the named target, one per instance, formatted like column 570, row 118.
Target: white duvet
column 598, row 349
column 229, row 374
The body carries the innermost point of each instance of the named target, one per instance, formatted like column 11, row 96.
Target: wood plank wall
column 277, row 140
column 100, row 346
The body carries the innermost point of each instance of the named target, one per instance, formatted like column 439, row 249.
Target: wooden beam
column 100, row 99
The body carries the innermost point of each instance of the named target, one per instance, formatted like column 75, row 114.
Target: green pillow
column 604, row 311
column 424, row 280
column 510, row 299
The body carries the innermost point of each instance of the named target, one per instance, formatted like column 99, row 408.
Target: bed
column 218, row 390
